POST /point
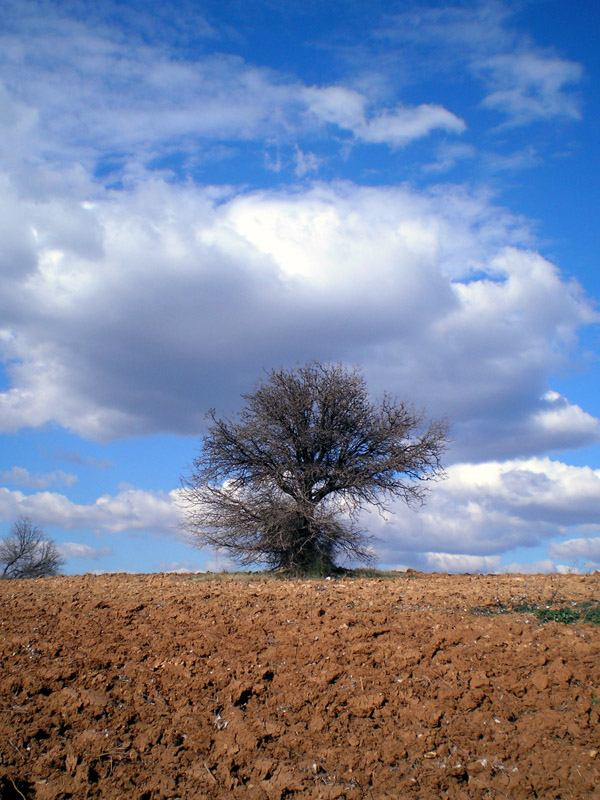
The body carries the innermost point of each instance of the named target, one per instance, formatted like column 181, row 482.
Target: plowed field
column 167, row 686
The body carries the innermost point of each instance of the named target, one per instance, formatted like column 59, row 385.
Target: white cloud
column 306, row 162
column 148, row 100
column 479, row 513
column 129, row 510
column 20, row 476
column 347, row 109
column 525, row 158
column 219, row 561
column 132, row 311
column 180, row 297
column 80, row 550
column 335, row 105
column 402, row 125
column 448, row 154
column 530, row 85
column 521, row 80
column 179, row 568
column 544, row 566
column 474, row 26
column 485, row 510
column 562, row 419
column 538, row 490
column 584, row 550
column 459, row 562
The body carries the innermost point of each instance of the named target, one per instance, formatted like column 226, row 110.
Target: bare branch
column 27, row 553
column 308, row 445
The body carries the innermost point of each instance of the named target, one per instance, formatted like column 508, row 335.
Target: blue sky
column 193, row 193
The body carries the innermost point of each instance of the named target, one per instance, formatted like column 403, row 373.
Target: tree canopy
column 282, row 484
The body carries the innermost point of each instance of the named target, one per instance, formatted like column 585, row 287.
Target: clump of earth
column 416, row 686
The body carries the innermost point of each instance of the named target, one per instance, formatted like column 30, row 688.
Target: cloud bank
column 479, row 513
column 135, row 312
column 491, row 508
column 128, row 510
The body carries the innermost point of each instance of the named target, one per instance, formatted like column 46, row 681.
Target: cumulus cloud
column 459, row 562
column 173, row 299
column 484, row 510
column 133, row 310
column 130, row 510
column 580, row 548
column 537, row 490
column 583, row 550
column 185, row 568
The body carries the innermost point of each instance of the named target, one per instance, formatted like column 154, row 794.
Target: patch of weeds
column 567, row 615
column 581, row 612
column 491, row 611
column 590, row 612
column 524, row 608
column 564, row 615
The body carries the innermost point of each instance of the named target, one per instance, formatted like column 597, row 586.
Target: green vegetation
column 564, row 615
column 588, row 611
column 591, row 612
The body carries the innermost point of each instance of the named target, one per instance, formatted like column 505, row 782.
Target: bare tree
column 284, row 483
column 28, row 553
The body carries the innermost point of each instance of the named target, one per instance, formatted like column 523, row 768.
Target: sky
column 194, row 193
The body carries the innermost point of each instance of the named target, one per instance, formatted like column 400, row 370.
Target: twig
column 208, row 769
column 16, row 788
column 17, row 749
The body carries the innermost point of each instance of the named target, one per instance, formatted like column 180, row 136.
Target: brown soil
column 167, row 686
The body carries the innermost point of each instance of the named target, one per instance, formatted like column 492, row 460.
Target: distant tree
column 28, row 553
column 283, row 484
